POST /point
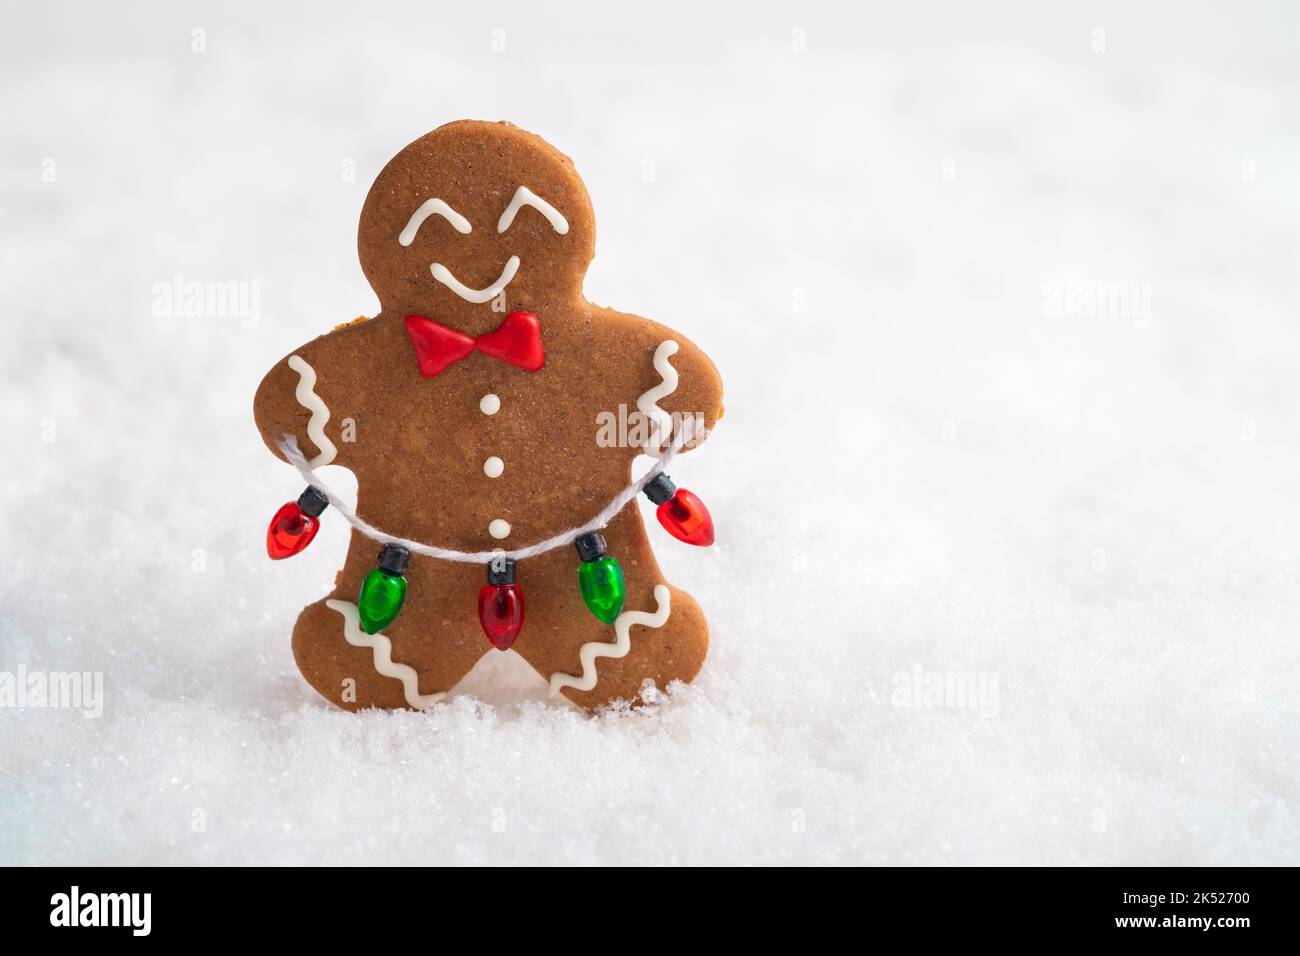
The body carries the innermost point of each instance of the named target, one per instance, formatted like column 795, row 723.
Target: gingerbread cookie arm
column 294, row 399
column 682, row 383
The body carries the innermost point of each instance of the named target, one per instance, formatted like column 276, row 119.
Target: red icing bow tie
column 517, row 340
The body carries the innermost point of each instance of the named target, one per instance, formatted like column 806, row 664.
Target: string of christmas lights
column 500, row 601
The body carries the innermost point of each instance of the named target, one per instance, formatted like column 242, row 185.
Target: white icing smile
column 443, row 275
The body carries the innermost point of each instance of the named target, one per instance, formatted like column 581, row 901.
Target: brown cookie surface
column 466, row 226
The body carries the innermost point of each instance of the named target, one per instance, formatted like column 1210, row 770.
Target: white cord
column 289, row 445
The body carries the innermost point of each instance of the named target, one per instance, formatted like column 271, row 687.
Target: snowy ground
column 951, row 445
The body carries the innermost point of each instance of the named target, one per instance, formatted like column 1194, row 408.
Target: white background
column 924, row 463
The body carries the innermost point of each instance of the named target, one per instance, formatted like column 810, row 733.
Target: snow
column 938, row 459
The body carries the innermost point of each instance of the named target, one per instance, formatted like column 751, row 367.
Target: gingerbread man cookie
column 474, row 410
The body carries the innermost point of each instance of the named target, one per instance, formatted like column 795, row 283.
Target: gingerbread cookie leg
column 411, row 663
column 661, row 634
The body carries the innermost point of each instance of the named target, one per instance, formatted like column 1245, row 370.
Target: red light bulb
column 681, row 512
column 686, row 518
column 501, row 612
column 295, row 524
column 501, row 604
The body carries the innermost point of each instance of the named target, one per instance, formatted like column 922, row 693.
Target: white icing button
column 499, row 528
column 493, row 467
column 489, row 404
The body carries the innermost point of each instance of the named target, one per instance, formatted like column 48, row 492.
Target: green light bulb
column 601, row 583
column 380, row 599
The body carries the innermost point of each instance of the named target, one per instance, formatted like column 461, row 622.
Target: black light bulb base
column 501, row 571
column 312, row 502
column 394, row 559
column 660, row 489
column 590, row 546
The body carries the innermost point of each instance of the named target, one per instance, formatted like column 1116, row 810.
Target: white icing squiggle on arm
column 320, row 413
column 382, row 652
column 648, row 403
column 588, row 653
column 526, row 197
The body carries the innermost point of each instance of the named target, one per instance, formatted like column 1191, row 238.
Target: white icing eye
column 432, row 207
column 526, row 197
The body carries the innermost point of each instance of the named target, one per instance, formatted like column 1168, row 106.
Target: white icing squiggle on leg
column 306, row 395
column 382, row 649
column 648, row 403
column 588, row 653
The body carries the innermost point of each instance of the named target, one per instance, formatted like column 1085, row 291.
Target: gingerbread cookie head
column 473, row 216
